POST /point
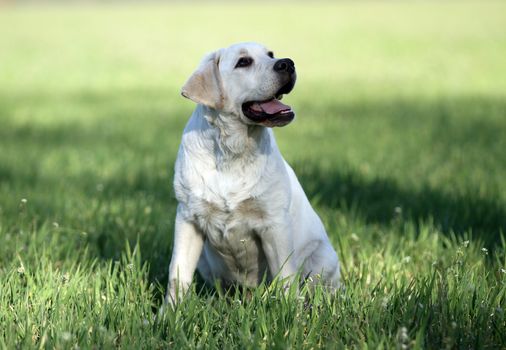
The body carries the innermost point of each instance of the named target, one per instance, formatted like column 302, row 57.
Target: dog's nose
column 285, row 65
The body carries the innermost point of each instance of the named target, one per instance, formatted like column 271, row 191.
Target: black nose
column 285, row 65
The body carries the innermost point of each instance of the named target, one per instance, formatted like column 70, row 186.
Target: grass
column 399, row 144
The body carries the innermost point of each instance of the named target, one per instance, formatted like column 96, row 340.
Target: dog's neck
column 235, row 140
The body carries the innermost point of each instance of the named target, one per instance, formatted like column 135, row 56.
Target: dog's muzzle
column 272, row 112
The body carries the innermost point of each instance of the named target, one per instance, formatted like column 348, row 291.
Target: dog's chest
column 226, row 209
column 222, row 206
column 225, row 198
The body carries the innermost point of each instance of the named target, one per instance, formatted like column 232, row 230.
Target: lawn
column 399, row 142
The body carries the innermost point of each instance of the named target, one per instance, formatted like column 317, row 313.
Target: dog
column 242, row 216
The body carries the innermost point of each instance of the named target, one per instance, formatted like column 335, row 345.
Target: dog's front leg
column 277, row 243
column 188, row 243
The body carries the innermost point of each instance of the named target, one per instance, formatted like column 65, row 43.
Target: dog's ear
column 204, row 86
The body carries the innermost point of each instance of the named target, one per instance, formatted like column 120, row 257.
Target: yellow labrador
column 242, row 213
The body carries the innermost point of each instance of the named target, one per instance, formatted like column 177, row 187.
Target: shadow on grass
column 381, row 201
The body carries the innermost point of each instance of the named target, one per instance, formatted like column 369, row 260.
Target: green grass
column 399, row 143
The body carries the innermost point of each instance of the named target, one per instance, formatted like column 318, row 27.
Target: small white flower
column 384, row 302
column 66, row 336
column 465, row 243
column 24, row 200
column 402, row 338
column 484, row 250
column 503, row 270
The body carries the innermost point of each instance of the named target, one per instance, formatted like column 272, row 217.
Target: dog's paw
column 168, row 305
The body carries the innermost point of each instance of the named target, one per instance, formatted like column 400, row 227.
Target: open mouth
column 271, row 112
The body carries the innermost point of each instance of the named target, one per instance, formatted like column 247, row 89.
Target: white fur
column 242, row 213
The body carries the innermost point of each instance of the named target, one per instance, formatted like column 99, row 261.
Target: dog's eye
column 244, row 62
column 270, row 54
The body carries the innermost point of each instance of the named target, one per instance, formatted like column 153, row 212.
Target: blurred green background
column 400, row 129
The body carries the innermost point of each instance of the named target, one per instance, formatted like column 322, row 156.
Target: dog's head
column 244, row 80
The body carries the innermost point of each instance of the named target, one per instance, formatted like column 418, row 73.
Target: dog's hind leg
column 321, row 265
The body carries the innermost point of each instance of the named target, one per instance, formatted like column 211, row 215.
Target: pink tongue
column 270, row 107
